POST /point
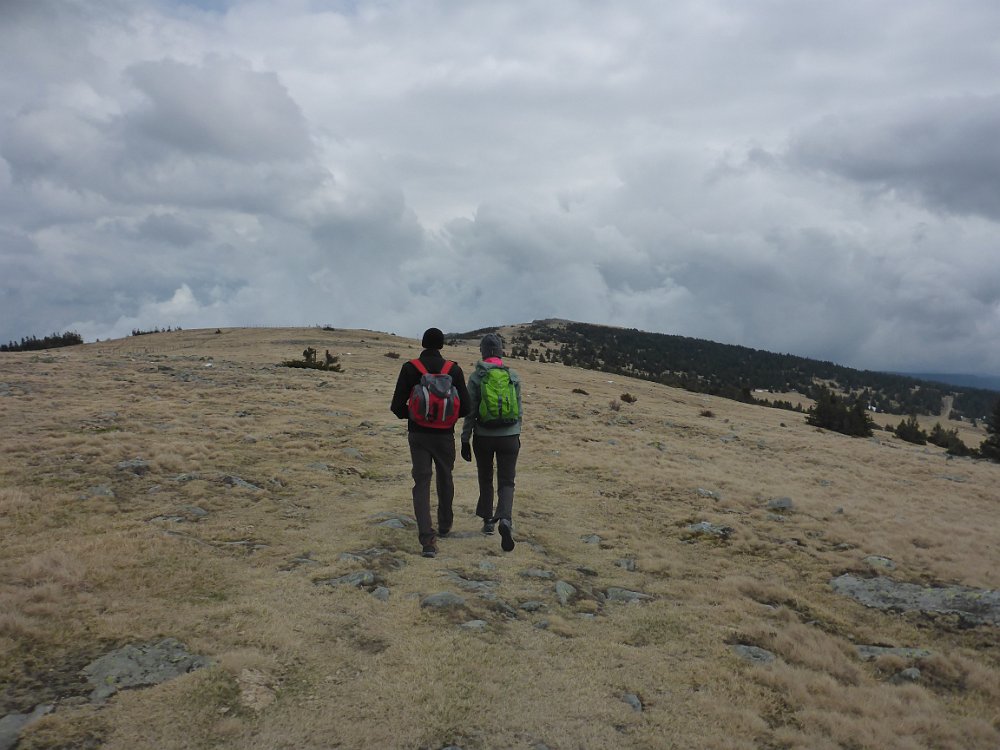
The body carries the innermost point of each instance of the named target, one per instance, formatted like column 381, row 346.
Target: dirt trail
column 946, row 404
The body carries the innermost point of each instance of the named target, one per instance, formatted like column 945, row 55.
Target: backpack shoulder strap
column 447, row 366
column 419, row 365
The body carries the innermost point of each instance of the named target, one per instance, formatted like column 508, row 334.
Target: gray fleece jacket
column 471, row 424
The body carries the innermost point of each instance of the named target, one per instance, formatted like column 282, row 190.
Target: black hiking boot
column 487, row 526
column 506, row 536
column 429, row 551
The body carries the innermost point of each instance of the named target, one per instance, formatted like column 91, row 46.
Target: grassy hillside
column 735, row 372
column 182, row 486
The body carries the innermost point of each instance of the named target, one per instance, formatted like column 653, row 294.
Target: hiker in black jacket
column 431, row 447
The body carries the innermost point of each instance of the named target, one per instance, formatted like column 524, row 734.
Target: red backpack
column 434, row 401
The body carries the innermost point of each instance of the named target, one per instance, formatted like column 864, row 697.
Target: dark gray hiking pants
column 432, row 453
column 505, row 449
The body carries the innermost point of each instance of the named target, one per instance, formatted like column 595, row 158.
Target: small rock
column 708, row 493
column 469, row 584
column 633, row 700
column 101, row 490
column 134, row 466
column 867, row 653
column 442, row 600
column 626, row 563
column 234, row 481
column 877, row 561
column 617, row 594
column 256, row 692
column 565, row 592
column 357, row 579
column 912, row 674
column 351, row 557
column 754, row 654
column 393, row 523
column 353, row 453
column 584, row 570
column 780, row 503
column 704, row 528
column 538, row 573
column 487, row 565
column 591, row 539
column 381, row 593
column 474, row 625
column 532, row 606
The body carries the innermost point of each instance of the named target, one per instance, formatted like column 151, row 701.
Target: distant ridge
column 736, row 372
column 986, row 382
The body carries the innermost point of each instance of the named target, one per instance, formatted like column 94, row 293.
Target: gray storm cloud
column 941, row 152
column 821, row 181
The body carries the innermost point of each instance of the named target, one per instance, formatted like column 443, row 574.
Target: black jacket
column 409, row 376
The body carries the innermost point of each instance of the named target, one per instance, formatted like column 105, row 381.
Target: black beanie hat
column 433, row 339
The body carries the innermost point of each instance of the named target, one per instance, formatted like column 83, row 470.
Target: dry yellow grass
column 91, row 559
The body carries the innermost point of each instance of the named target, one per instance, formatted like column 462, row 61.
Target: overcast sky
column 819, row 178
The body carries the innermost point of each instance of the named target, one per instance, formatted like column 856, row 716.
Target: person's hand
column 466, row 451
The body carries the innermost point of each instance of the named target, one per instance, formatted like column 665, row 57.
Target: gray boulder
column 442, row 600
column 12, row 724
column 753, row 654
column 973, row 606
column 139, row 666
column 565, row 592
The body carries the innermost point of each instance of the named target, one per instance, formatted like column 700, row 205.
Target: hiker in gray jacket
column 495, row 421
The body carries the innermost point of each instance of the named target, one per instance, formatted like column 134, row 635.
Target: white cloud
column 819, row 180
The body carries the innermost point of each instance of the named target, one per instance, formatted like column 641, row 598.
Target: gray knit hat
column 491, row 346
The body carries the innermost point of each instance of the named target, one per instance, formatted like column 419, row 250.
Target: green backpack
column 498, row 405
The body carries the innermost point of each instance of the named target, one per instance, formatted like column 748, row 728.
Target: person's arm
column 458, row 378
column 471, row 413
column 402, row 393
column 520, row 408
column 517, row 389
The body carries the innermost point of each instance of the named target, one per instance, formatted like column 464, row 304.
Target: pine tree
column 990, row 447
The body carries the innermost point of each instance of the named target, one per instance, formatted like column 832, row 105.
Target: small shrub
column 910, row 431
column 628, row 398
column 615, row 405
column 831, row 412
column 392, row 355
column 309, row 362
column 580, row 391
column 706, row 413
column 949, row 440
